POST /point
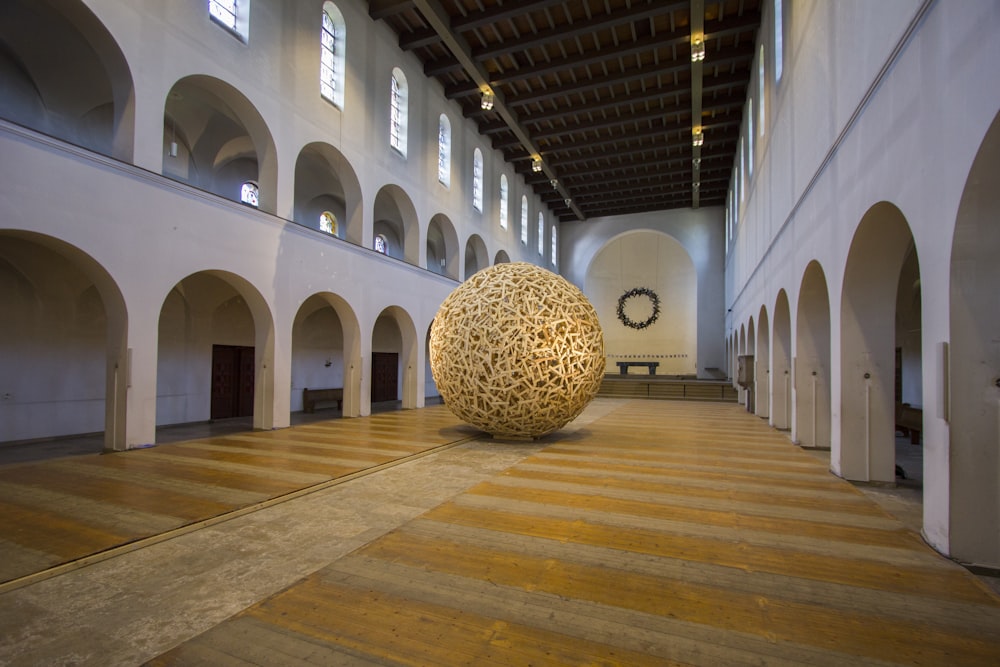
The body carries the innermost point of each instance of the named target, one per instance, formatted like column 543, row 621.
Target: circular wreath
column 636, row 292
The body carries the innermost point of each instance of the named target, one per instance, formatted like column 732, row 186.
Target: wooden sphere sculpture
column 517, row 351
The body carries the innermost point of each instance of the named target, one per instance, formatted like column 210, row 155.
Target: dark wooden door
column 232, row 381
column 385, row 376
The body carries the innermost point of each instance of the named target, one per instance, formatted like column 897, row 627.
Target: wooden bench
column 310, row 397
column 623, row 366
column 910, row 421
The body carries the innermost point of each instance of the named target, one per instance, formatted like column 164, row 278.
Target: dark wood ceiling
column 603, row 91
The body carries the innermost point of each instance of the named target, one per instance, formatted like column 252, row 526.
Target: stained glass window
column 477, row 180
column 249, row 193
column 223, row 11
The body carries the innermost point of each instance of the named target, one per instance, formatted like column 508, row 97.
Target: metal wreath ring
column 638, row 291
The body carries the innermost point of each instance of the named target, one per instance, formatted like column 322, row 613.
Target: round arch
column 213, row 322
column 811, row 372
column 442, row 246
column 63, row 74
column 61, row 301
column 661, row 266
column 238, row 148
column 781, row 364
column 405, row 345
column 325, row 181
column 395, row 217
column 868, row 342
column 973, row 404
column 326, row 350
column 762, row 362
column 476, row 255
column 751, row 351
column 501, row 257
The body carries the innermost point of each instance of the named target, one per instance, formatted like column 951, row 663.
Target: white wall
column 879, row 102
column 699, row 232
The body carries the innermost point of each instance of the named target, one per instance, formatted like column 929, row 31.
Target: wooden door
column 385, row 376
column 232, row 381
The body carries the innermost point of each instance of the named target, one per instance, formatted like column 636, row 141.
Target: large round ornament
column 517, row 351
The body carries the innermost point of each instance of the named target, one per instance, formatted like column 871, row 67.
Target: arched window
column 224, row 11
column 524, row 219
column 233, row 15
column 541, row 234
column 750, row 138
column 328, row 222
column 381, row 244
column 555, row 246
column 477, row 180
column 760, row 90
column 250, row 193
column 779, row 39
column 444, row 151
column 503, row 201
column 740, row 172
column 332, row 43
column 398, row 111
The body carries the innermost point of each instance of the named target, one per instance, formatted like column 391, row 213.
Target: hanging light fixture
column 554, row 183
column 487, row 102
column 536, row 165
column 697, row 137
column 697, row 49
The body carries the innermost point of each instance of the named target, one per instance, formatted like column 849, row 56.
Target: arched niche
column 63, row 74
column 325, row 181
column 216, row 140
column 781, row 364
column 395, row 218
column 653, row 261
column 476, row 255
column 442, row 246
column 326, row 351
column 762, row 361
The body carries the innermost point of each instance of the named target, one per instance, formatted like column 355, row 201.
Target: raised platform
column 666, row 387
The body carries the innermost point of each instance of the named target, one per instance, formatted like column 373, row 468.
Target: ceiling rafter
column 604, row 92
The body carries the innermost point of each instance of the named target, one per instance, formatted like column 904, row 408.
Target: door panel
column 385, row 376
column 232, row 381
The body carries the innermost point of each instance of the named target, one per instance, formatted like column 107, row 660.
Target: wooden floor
column 57, row 513
column 664, row 533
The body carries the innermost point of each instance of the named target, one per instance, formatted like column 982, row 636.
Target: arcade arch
column 811, row 364
column 781, row 364
column 476, row 255
column 215, row 352
column 973, row 402
column 64, row 75
column 65, row 361
column 394, row 358
column 215, row 140
column 868, row 340
column 762, row 362
column 326, row 350
column 442, row 246
column 325, row 181
column 395, row 218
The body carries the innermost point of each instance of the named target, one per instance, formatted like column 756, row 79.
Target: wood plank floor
column 53, row 513
column 664, row 533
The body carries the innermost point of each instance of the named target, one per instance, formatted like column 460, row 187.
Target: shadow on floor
column 93, row 443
